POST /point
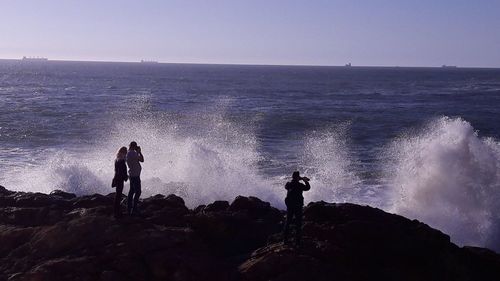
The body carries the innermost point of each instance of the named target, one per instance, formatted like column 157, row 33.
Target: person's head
column 296, row 175
column 121, row 152
column 133, row 146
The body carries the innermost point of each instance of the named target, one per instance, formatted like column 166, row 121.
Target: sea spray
column 204, row 158
column 444, row 175
column 449, row 177
column 328, row 161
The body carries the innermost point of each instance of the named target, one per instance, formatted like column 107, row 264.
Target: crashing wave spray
column 215, row 160
column 329, row 164
column 202, row 157
column 448, row 177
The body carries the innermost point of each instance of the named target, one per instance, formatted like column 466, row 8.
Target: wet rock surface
column 64, row 237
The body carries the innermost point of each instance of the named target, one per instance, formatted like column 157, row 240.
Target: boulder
column 199, row 209
column 281, row 263
column 4, row 191
column 168, row 211
column 239, row 228
column 217, row 206
column 255, row 208
column 62, row 194
column 92, row 201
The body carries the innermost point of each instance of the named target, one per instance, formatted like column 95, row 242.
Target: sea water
column 421, row 142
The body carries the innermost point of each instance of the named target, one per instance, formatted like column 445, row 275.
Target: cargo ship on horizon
column 149, row 61
column 25, row 58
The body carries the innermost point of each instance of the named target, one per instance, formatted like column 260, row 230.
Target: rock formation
column 60, row 236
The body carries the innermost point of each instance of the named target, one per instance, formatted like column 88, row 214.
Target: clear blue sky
column 318, row 32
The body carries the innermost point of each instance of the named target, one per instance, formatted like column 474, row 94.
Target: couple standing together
column 132, row 157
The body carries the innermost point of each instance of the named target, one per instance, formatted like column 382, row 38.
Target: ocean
column 420, row 142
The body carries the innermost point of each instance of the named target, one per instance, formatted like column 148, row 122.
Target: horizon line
column 149, row 62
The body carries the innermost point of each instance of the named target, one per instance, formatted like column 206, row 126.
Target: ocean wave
column 447, row 176
column 444, row 174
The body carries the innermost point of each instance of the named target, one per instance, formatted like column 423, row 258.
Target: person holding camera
column 134, row 157
column 294, row 202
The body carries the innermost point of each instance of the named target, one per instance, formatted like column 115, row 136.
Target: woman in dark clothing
column 119, row 178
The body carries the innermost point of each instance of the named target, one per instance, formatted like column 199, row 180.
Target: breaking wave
column 447, row 176
column 444, row 174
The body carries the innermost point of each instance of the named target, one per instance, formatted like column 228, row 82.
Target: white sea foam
column 449, row 177
column 203, row 159
column 214, row 160
column 209, row 159
column 444, row 175
column 329, row 164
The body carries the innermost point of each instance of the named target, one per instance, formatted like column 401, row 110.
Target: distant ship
column 34, row 59
column 348, row 65
column 448, row 66
column 149, row 61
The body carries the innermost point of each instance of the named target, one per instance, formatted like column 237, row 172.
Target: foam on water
column 447, row 176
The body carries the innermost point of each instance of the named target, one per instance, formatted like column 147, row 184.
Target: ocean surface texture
column 421, row 142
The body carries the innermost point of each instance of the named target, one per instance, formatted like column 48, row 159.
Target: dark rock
column 168, row 211
column 217, row 206
column 241, row 228
column 91, row 201
column 29, row 216
column 255, row 208
column 65, row 268
column 175, row 200
column 353, row 242
column 199, row 209
column 61, row 237
column 63, row 194
column 278, row 262
column 12, row 237
column 4, row 191
column 34, row 199
column 159, row 202
column 111, row 275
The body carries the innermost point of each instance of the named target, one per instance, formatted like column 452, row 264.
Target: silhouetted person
column 134, row 157
column 294, row 202
column 119, row 179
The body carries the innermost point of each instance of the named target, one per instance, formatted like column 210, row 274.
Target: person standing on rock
column 119, row 179
column 134, row 157
column 294, row 202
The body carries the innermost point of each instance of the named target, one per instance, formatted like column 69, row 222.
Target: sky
column 308, row 32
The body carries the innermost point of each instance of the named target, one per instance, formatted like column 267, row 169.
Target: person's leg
column 118, row 198
column 131, row 195
column 289, row 217
column 137, row 194
column 298, row 224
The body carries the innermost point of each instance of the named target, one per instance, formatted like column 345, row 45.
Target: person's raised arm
column 139, row 153
column 306, row 181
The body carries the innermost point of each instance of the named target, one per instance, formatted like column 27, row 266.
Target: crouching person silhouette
column 294, row 202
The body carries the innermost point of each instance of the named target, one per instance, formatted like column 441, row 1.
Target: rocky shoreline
column 60, row 236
